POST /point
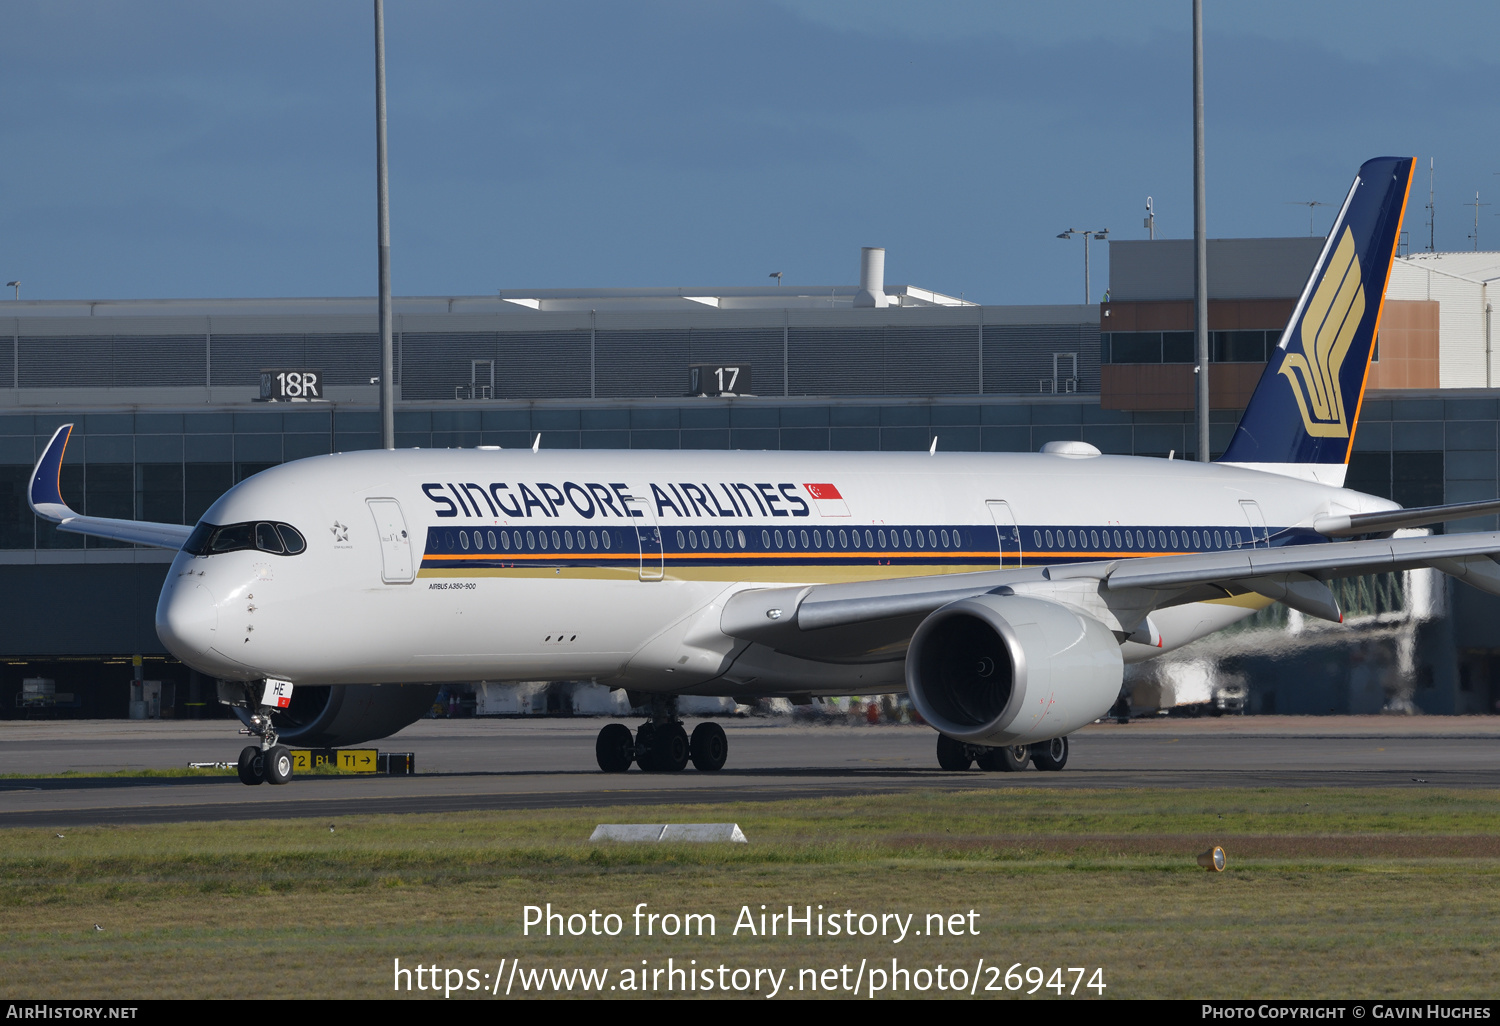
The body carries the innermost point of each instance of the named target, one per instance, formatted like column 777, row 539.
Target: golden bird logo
column 1317, row 350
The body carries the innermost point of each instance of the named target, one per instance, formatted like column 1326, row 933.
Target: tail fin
column 1302, row 416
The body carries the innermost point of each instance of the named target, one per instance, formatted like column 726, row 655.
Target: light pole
column 383, row 237
column 1101, row 233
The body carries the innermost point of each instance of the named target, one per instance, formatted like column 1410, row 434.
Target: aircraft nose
column 187, row 619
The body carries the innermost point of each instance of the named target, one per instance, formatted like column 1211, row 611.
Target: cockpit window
column 278, row 539
column 232, row 538
column 266, row 538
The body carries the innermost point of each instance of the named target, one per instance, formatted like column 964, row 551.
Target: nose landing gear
column 661, row 745
column 269, row 762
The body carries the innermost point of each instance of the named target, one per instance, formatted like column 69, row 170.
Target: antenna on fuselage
column 537, row 443
column 933, row 451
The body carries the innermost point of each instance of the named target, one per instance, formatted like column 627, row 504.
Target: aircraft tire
column 278, row 765
column 708, row 748
column 1050, row 756
column 614, row 748
column 672, row 748
column 252, row 766
column 1009, row 759
column 952, row 755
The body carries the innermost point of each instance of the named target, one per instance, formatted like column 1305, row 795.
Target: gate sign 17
column 284, row 385
column 719, row 379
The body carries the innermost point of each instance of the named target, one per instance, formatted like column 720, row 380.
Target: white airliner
column 1002, row 592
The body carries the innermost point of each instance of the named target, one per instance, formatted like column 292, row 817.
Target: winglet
column 45, row 494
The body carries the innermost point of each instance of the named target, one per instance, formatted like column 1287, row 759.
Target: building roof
column 643, row 300
column 1477, row 267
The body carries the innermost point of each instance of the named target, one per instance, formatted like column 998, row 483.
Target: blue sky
column 199, row 150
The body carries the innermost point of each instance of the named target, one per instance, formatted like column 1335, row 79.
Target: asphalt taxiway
column 539, row 763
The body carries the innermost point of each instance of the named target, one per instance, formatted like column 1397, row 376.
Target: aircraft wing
column 45, row 497
column 845, row 620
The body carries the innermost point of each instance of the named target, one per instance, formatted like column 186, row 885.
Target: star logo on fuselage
column 340, row 532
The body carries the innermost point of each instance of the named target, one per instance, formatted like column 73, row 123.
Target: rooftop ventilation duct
column 871, row 278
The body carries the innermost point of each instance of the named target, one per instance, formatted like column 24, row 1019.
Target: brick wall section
column 1408, row 346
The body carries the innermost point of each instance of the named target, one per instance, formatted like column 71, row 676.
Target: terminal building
column 176, row 400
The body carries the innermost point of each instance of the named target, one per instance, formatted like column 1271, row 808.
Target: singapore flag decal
column 830, row 502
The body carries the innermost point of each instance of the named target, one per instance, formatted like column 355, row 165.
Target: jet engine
column 1005, row 670
column 348, row 714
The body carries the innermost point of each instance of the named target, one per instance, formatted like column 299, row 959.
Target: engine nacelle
column 1005, row 670
column 348, row 714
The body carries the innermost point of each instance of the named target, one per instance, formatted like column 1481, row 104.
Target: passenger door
column 396, row 563
column 1008, row 534
column 648, row 536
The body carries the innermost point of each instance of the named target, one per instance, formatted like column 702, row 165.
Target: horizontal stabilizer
column 45, row 498
column 1385, row 521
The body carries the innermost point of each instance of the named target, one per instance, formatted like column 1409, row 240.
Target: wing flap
column 1334, row 559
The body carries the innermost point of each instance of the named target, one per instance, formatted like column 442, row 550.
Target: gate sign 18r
column 286, row 385
column 719, row 379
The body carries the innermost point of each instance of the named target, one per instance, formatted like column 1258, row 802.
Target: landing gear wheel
column 1010, row 759
column 614, row 749
column 645, row 747
column 671, row 744
column 278, row 764
column 952, row 755
column 708, row 747
column 252, row 766
column 1050, row 755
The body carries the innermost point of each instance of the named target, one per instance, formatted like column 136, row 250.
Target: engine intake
column 348, row 714
column 1003, row 670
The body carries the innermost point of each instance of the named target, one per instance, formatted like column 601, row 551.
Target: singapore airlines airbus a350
column 1003, row 592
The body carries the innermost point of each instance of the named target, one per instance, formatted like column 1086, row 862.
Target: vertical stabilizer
column 1302, row 417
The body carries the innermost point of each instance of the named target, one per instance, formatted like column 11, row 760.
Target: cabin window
column 463, row 540
column 743, row 543
column 765, row 539
column 604, row 537
column 844, row 539
column 478, row 540
column 568, row 538
column 530, row 540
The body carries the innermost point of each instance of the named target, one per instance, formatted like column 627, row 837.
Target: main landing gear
column 1044, row 755
column 661, row 744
